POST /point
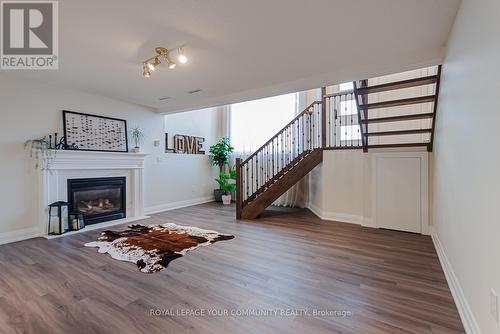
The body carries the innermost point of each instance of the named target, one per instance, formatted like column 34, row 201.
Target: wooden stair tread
column 280, row 174
column 398, row 85
column 398, row 132
column 398, row 118
column 397, row 103
column 398, row 145
column 281, row 185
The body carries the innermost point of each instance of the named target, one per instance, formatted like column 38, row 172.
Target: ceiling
column 240, row 49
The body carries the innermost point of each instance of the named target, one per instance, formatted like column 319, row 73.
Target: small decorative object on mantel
column 40, row 149
column 137, row 135
column 87, row 132
column 184, row 144
column 58, row 222
column 76, row 221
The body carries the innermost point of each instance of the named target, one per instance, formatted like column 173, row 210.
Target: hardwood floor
column 389, row 282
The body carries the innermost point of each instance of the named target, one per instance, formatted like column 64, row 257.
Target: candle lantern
column 76, row 221
column 58, row 218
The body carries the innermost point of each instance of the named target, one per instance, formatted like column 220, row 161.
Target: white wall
column 340, row 187
column 466, row 160
column 31, row 110
column 190, row 176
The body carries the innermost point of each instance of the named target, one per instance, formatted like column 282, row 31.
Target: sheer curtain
column 250, row 124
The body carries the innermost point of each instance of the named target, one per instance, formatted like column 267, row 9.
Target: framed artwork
column 87, row 132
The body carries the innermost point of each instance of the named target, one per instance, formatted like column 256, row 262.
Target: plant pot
column 135, row 150
column 218, row 195
column 226, row 199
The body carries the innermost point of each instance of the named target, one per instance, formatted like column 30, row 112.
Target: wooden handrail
column 305, row 111
column 344, row 92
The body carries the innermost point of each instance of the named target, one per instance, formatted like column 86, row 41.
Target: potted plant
column 219, row 155
column 40, row 149
column 227, row 184
column 137, row 135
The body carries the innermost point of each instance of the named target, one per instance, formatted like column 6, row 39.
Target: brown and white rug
column 153, row 247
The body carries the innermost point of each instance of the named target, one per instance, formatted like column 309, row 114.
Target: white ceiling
column 240, row 49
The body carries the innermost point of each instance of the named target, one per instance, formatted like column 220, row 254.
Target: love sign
column 184, row 144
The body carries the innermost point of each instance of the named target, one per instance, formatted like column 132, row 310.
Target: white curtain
column 251, row 134
column 298, row 195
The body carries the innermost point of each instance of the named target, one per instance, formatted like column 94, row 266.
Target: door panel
column 398, row 193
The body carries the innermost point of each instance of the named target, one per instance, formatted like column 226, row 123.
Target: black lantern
column 59, row 219
column 76, row 221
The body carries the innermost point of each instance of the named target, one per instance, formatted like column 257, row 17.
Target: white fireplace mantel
column 66, row 164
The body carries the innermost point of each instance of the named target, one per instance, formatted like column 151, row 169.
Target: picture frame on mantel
column 87, row 132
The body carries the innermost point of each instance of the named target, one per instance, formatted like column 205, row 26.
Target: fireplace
column 99, row 199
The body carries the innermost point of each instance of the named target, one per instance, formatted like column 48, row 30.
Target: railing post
column 323, row 117
column 239, row 188
column 361, row 119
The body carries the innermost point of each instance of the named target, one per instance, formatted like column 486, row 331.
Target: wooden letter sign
column 185, row 144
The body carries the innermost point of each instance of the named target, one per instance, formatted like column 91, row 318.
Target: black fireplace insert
column 99, row 199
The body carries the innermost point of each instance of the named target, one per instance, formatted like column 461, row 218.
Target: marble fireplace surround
column 84, row 164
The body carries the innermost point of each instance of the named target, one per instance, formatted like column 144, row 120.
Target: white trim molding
column 67, row 164
column 340, row 217
column 466, row 315
column 424, row 184
column 18, row 235
column 177, row 205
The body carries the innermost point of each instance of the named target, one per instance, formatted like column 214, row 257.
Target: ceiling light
column 162, row 53
column 182, row 58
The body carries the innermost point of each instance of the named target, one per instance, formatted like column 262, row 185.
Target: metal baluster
column 329, row 131
column 335, row 106
column 350, row 102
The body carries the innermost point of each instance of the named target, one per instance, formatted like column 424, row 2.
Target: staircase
column 342, row 120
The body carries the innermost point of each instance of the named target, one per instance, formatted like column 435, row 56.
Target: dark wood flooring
column 385, row 281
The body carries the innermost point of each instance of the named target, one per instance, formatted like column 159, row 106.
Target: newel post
column 323, row 117
column 239, row 188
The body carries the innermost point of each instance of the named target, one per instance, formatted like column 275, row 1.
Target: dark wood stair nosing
column 398, row 118
column 397, row 103
column 397, row 132
column 428, row 80
column 398, row 145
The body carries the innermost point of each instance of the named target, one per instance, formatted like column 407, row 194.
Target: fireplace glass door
column 98, row 199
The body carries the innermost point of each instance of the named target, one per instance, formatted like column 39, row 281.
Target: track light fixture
column 163, row 55
column 182, row 57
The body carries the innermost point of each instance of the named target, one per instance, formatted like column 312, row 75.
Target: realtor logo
column 29, row 37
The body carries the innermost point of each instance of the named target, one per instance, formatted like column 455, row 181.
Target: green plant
column 225, row 182
column 220, row 152
column 40, row 150
column 137, row 135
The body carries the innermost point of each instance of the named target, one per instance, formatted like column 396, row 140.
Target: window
column 348, row 111
column 348, row 107
column 346, row 86
column 350, row 132
column 255, row 122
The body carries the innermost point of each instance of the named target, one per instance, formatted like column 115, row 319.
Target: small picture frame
column 87, row 132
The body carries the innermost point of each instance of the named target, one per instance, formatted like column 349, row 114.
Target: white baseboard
column 18, row 235
column 177, row 205
column 466, row 315
column 340, row 217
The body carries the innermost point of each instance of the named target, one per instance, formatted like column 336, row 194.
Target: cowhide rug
column 153, row 247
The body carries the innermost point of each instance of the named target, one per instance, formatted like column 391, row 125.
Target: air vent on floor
column 194, row 91
column 163, row 98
